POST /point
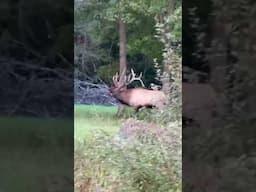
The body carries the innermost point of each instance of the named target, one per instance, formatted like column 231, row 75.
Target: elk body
column 136, row 97
column 139, row 97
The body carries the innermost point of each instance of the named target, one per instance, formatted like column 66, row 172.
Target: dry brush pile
column 89, row 93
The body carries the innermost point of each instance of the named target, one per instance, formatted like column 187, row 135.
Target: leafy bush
column 106, row 72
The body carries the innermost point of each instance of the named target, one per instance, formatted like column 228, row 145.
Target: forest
column 134, row 44
column 217, row 124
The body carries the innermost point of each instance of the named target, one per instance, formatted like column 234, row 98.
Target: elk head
column 120, row 85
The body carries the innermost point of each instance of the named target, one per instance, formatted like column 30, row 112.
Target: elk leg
column 120, row 110
column 137, row 109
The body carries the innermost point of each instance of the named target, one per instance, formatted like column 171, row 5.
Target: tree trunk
column 122, row 57
column 122, row 49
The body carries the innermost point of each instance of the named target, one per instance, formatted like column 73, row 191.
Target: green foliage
column 90, row 118
column 106, row 72
column 141, row 39
column 168, row 31
column 99, row 21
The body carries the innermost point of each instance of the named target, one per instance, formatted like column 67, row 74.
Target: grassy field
column 89, row 118
column 36, row 154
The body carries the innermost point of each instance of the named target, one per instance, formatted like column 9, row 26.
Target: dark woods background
column 36, row 95
column 219, row 40
column 190, row 29
column 37, row 58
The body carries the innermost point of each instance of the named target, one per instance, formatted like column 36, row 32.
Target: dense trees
column 138, row 23
column 146, row 30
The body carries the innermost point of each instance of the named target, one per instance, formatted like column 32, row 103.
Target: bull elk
column 136, row 97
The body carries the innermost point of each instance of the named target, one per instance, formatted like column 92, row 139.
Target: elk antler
column 127, row 79
column 115, row 79
column 118, row 83
column 132, row 77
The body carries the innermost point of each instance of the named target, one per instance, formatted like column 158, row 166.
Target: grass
column 36, row 154
column 89, row 118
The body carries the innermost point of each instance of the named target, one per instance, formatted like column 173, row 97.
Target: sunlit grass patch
column 90, row 118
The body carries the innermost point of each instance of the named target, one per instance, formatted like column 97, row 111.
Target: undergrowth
column 110, row 163
column 114, row 165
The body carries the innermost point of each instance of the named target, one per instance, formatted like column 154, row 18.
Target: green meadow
column 90, row 118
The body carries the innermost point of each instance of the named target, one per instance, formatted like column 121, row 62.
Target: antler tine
column 129, row 78
column 115, row 79
column 139, row 78
column 132, row 77
column 140, row 75
column 123, row 73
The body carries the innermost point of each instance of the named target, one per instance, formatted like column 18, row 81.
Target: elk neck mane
column 127, row 93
